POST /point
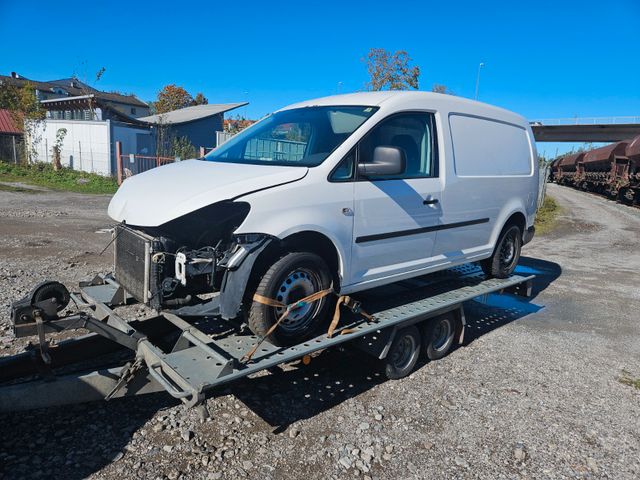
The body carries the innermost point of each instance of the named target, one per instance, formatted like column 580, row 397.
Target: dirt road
column 535, row 392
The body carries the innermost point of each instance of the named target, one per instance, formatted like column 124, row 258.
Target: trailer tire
column 506, row 254
column 403, row 353
column 439, row 334
column 294, row 276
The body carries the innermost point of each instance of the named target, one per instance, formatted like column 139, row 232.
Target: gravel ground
column 535, row 391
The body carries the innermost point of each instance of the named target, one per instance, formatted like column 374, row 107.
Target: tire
column 294, row 276
column 439, row 334
column 506, row 255
column 403, row 353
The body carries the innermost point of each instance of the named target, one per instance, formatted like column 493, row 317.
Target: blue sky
column 543, row 59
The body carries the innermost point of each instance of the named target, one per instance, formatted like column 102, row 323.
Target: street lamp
column 478, row 79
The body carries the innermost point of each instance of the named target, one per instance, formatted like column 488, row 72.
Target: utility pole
column 478, row 79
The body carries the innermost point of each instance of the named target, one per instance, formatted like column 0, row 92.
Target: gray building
column 199, row 124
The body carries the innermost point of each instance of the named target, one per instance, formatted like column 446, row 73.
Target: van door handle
column 431, row 201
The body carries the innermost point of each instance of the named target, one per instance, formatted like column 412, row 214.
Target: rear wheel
column 293, row 277
column 403, row 353
column 439, row 335
column 506, row 254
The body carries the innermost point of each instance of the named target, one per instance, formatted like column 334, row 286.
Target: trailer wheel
column 294, row 276
column 438, row 335
column 506, row 254
column 403, row 353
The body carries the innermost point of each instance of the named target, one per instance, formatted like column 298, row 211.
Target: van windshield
column 302, row 137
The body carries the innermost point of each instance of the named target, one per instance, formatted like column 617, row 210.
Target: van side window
column 414, row 133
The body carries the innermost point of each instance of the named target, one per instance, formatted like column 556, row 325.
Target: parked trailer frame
column 208, row 352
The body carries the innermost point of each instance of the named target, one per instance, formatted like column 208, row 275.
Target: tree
column 439, row 88
column 181, row 147
column 56, row 149
column 26, row 111
column 200, row 99
column 391, row 71
column 172, row 97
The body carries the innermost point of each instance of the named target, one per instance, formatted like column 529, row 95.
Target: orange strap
column 288, row 308
column 348, row 302
column 351, row 304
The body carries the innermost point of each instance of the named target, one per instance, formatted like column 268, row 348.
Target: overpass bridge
column 586, row 129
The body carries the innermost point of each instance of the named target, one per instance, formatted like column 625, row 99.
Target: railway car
column 553, row 170
column 599, row 170
column 629, row 173
column 566, row 168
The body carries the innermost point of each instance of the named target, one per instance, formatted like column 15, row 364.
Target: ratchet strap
column 353, row 305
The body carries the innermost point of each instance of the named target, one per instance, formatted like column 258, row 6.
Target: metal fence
column 542, row 182
column 287, row 150
column 131, row 164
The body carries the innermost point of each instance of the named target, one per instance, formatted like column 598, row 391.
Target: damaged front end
column 169, row 266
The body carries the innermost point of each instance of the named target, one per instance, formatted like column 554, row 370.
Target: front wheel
column 506, row 254
column 295, row 276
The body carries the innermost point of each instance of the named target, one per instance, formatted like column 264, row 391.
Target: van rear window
column 488, row 148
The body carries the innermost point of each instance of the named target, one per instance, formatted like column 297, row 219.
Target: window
column 298, row 137
column 133, row 111
column 345, row 169
column 414, row 134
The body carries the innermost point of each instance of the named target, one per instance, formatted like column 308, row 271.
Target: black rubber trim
column 415, row 231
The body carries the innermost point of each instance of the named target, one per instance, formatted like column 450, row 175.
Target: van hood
column 162, row 194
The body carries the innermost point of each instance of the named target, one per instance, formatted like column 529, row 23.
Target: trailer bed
column 208, row 352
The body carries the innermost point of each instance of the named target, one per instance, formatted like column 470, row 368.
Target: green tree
column 391, row 71
column 181, row 147
column 56, row 149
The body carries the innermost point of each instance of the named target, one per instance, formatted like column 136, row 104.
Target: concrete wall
column 86, row 146
column 90, row 146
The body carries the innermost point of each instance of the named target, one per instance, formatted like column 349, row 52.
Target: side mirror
column 386, row 161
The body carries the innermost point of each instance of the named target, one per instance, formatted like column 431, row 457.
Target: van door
column 395, row 217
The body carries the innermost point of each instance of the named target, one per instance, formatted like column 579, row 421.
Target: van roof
column 392, row 98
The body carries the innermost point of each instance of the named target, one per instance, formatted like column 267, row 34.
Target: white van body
column 485, row 174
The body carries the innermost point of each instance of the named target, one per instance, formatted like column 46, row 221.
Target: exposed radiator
column 132, row 262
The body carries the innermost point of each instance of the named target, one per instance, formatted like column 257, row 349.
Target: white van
column 346, row 192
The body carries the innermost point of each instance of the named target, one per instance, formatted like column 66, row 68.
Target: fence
column 132, row 164
column 542, row 182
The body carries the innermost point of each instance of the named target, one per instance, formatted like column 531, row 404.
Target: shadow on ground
column 79, row 440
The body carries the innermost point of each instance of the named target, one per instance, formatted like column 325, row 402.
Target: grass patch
column 627, row 379
column 547, row 215
column 43, row 175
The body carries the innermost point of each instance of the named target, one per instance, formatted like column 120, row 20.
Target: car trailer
column 191, row 351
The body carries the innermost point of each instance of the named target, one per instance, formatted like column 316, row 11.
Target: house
column 198, row 124
column 91, row 120
column 71, row 99
column 10, row 137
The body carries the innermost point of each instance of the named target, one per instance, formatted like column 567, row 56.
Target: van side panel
column 487, row 148
column 490, row 176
